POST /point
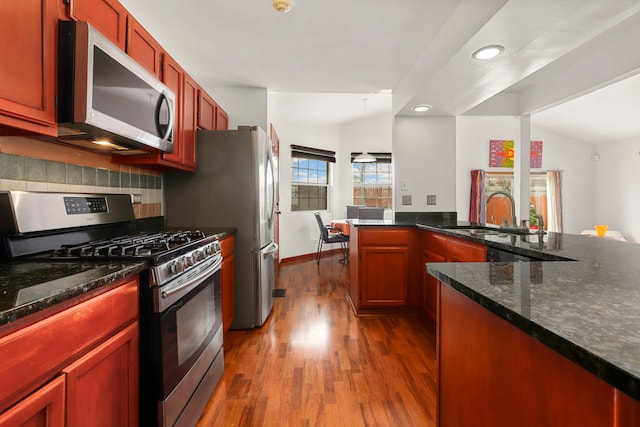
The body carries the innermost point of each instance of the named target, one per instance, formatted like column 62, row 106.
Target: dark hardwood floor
column 313, row 363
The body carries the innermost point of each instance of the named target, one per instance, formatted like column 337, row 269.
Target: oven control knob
column 177, row 266
column 189, row 261
column 198, row 255
column 209, row 249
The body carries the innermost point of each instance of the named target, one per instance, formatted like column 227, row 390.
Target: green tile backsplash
column 17, row 167
column 11, row 166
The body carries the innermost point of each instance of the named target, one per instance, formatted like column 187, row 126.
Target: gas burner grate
column 139, row 245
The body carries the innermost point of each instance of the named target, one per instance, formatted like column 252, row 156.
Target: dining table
column 340, row 224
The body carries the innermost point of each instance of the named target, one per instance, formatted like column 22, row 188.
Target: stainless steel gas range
column 181, row 348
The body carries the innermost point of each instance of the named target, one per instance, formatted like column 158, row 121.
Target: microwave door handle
column 163, row 98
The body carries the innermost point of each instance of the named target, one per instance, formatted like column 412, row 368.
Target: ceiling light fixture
column 364, row 158
column 422, row 108
column 488, row 52
column 282, row 6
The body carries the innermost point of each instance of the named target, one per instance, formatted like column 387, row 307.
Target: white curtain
column 554, row 201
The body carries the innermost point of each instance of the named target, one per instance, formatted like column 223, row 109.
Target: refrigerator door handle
column 274, row 248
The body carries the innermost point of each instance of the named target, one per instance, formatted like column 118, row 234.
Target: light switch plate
column 431, row 199
column 404, row 185
column 136, row 199
column 406, row 200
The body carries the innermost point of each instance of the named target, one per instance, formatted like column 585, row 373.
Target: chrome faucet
column 540, row 224
column 514, row 222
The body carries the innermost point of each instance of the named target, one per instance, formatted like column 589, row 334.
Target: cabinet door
column 384, row 276
column 430, row 284
column 206, row 111
column 102, row 386
column 172, row 77
column 107, row 16
column 143, row 48
column 189, row 126
column 42, row 408
column 226, row 277
column 28, row 37
column 222, row 119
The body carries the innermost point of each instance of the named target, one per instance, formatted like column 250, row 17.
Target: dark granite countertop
column 586, row 308
column 27, row 287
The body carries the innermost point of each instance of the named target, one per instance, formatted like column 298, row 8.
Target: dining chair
column 330, row 234
column 370, row 213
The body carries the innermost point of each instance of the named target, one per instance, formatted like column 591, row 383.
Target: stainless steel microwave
column 106, row 100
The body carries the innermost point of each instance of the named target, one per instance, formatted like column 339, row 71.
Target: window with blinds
column 311, row 178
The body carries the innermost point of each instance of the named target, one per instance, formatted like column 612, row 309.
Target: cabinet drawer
column 226, row 246
column 435, row 242
column 384, row 237
column 464, row 251
column 44, row 347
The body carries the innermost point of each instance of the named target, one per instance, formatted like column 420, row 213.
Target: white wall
column 472, row 151
column 245, row 106
column 372, row 135
column 617, row 187
column 573, row 158
column 298, row 230
column 424, row 150
column 568, row 154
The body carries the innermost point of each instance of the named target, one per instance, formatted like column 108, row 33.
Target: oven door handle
column 201, row 277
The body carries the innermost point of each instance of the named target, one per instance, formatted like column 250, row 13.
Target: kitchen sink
column 482, row 231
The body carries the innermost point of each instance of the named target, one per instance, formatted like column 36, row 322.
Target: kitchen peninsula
column 554, row 341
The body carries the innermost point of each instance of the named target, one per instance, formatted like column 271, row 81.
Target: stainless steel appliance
column 181, row 347
column 234, row 186
column 103, row 94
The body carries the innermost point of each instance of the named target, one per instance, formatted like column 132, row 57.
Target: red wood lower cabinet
column 227, row 279
column 42, row 408
column 102, row 386
column 493, row 374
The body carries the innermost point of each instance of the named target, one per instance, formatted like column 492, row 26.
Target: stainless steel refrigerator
column 233, row 186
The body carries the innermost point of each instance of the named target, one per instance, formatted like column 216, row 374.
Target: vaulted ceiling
column 323, row 59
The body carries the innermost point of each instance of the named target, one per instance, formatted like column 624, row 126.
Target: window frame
column 310, row 157
column 359, row 196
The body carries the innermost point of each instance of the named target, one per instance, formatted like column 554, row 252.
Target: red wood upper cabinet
column 184, row 134
column 206, row 111
column 107, row 16
column 28, row 51
column 210, row 114
column 189, row 119
column 222, row 119
column 143, row 48
column 172, row 76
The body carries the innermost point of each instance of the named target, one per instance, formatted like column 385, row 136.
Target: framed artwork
column 501, row 153
column 536, row 154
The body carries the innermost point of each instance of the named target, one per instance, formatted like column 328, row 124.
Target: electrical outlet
column 431, row 199
column 136, row 199
column 406, row 200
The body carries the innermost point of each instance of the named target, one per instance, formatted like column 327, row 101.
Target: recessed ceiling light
column 488, row 52
column 422, row 108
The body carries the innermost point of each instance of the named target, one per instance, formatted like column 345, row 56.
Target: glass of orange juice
column 601, row 230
